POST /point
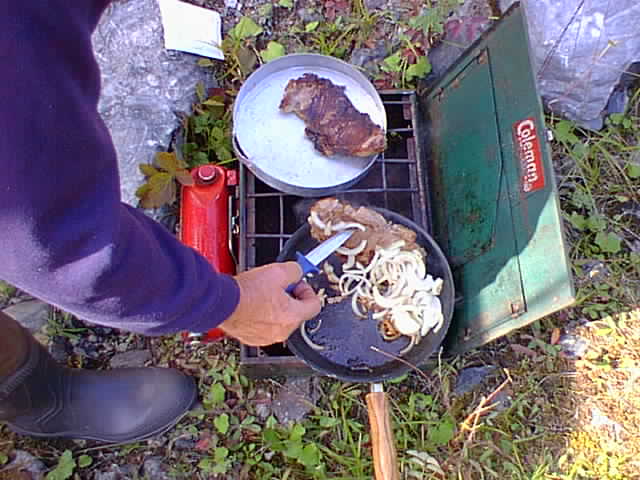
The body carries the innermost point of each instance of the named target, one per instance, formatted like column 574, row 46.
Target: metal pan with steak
column 333, row 124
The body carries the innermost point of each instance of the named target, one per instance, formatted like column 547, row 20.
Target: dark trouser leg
column 38, row 397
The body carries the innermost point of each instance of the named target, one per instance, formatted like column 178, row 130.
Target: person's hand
column 266, row 314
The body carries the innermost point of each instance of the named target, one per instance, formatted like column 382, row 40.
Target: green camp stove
column 468, row 160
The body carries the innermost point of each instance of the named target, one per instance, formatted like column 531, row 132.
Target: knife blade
column 309, row 262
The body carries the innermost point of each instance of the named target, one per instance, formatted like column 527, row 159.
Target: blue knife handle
column 307, row 267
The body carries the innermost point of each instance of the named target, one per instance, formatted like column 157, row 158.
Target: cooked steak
column 330, row 215
column 332, row 123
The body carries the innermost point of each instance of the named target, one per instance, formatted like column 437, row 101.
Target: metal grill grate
column 269, row 217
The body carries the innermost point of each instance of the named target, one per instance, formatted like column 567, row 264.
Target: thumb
column 291, row 272
column 306, row 303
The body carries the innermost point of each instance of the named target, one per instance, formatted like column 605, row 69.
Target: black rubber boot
column 43, row 399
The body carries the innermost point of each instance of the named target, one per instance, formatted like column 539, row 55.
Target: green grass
column 534, row 434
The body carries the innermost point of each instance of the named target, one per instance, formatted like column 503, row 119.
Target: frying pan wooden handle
column 385, row 460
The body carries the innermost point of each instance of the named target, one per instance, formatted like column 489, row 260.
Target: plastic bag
column 580, row 49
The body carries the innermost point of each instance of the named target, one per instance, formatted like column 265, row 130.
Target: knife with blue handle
column 309, row 262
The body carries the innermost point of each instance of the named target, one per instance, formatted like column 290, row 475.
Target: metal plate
column 273, row 145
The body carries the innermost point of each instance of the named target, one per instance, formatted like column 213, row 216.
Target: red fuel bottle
column 204, row 222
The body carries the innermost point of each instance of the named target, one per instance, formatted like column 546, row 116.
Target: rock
column 132, row 358
column 308, row 15
column 369, row 58
column 502, row 401
column 600, row 420
column 142, row 85
column 375, row 4
column 471, row 377
column 152, row 468
column 58, row 349
column 25, row 462
column 573, row 346
column 294, row 400
column 262, row 403
column 117, row 472
column 32, row 314
column 187, row 442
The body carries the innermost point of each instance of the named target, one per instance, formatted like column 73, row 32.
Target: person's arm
column 65, row 235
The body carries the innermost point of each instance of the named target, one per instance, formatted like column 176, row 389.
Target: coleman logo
column 527, row 145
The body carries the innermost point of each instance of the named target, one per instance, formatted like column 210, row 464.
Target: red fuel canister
column 204, row 221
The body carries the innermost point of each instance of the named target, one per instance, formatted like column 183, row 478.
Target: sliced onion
column 315, row 220
column 414, row 339
column 405, row 323
column 352, row 251
column 356, row 307
column 346, row 225
column 303, row 332
column 351, row 261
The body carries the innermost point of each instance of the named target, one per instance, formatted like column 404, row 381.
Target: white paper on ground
column 191, row 29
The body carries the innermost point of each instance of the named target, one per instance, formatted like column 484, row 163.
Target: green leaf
column 273, row 51
column 419, row 69
column 310, row 455
column 633, row 170
column 296, row 432
column 223, row 153
column 161, row 190
column 596, row 223
column 311, row 26
column 265, row 10
column 608, row 242
column 214, row 102
column 200, row 92
column 270, row 436
column 205, row 62
column 167, row 161
column 217, row 133
column 84, row 461
column 200, row 158
column 143, row 190
column 220, row 454
column 578, row 221
column 147, row 170
column 271, row 422
column 392, row 63
column 286, row 3
column 294, row 449
column 442, row 433
column 616, row 118
column 563, row 132
column 222, row 423
column 245, row 28
column 3, row 458
column 328, row 422
column 216, row 394
column 246, row 60
column 64, row 469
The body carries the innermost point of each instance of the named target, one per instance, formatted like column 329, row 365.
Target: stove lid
column 492, row 187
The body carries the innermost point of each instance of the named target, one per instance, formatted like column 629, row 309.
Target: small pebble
column 471, row 377
column 152, row 468
column 24, row 461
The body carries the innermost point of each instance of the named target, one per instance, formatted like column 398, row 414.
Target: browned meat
column 333, row 124
column 378, row 230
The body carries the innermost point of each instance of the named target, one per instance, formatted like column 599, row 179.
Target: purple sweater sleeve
column 65, row 235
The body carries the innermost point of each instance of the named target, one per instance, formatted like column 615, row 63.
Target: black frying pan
column 347, row 338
